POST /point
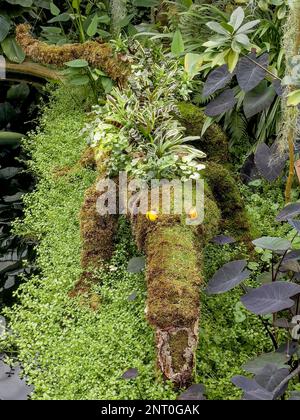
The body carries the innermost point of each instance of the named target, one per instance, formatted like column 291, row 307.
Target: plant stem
column 286, row 380
column 270, row 334
column 263, row 68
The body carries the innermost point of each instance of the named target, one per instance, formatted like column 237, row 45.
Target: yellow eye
column 152, row 215
column 193, row 214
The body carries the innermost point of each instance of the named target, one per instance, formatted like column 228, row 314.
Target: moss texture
column 98, row 232
column 225, row 190
column 173, row 277
column 97, row 55
column 214, row 142
column 87, row 159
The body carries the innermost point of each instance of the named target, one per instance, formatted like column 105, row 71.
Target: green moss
column 67, row 350
column 227, row 194
column 214, row 142
column 173, row 277
column 178, row 344
column 98, row 232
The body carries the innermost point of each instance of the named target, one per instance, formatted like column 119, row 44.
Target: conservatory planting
column 149, row 201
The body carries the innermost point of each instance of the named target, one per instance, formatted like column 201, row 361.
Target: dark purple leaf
column 295, row 225
column 258, row 99
column 278, row 87
column 290, row 211
column 130, row 374
column 227, row 277
column 136, row 265
column 291, row 265
column 270, row 377
column 217, row 79
column 132, row 296
column 249, row 74
column 269, row 163
column 292, row 255
column 252, row 390
column 282, row 323
column 257, row 364
column 12, row 387
column 270, row 298
column 295, row 396
column 223, row 239
column 221, row 104
column 194, row 392
column 289, row 348
column 272, row 243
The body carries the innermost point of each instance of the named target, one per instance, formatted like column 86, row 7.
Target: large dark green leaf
column 23, row 3
column 258, row 99
column 272, row 243
column 4, row 27
column 145, row 3
column 18, row 92
column 7, row 113
column 8, row 138
column 12, row 50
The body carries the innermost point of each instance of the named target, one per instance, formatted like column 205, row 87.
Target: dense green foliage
column 70, row 352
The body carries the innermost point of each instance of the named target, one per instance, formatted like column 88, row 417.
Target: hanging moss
column 226, row 193
column 214, row 142
column 96, row 54
column 87, row 159
column 97, row 232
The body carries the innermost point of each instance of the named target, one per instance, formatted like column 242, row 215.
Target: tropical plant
column 137, row 126
column 276, row 301
column 218, row 57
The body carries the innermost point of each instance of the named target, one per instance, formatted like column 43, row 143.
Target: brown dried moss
column 87, row 159
column 82, row 290
column 225, row 190
column 96, row 54
column 97, row 232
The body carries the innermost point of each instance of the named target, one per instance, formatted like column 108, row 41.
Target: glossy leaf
column 12, row 50
column 223, row 240
column 222, row 103
column 270, row 377
column 269, row 162
column 295, row 224
column 258, row 99
column 252, row 390
column 4, row 27
column 237, row 17
column 227, row 277
column 289, row 212
column 192, row 64
column 216, row 80
column 272, row 243
column 194, row 392
column 136, row 265
column 258, row 363
column 249, row 74
column 177, row 46
column 130, row 374
column 271, row 297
